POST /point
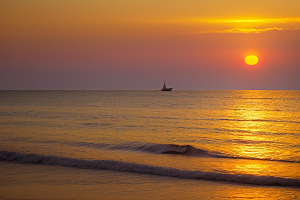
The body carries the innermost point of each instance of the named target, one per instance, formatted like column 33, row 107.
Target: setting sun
column 251, row 60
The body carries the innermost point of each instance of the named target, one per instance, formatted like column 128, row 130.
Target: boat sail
column 165, row 88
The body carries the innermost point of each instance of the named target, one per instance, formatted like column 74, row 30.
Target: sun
column 251, row 60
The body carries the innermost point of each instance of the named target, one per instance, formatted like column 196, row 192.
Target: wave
column 162, row 149
column 146, row 169
column 183, row 150
column 187, row 150
column 175, row 149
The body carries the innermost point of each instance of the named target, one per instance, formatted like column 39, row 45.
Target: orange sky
column 134, row 44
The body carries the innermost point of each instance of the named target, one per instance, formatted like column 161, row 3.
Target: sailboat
column 165, row 88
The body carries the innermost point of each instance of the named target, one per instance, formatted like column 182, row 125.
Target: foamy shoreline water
column 145, row 169
column 54, row 182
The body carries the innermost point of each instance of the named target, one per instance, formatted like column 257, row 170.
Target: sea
column 149, row 144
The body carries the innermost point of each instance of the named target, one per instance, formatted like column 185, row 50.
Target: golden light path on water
column 256, row 134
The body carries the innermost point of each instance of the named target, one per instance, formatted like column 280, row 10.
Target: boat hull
column 167, row 89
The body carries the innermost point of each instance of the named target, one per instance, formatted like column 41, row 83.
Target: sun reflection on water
column 252, row 129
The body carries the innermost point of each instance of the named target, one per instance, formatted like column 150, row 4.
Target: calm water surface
column 234, row 137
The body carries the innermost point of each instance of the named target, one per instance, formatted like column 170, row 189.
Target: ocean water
column 151, row 144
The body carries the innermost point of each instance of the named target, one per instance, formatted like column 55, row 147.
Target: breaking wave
column 142, row 147
column 146, row 169
column 175, row 149
column 163, row 149
column 184, row 150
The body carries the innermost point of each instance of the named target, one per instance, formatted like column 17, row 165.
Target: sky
column 137, row 44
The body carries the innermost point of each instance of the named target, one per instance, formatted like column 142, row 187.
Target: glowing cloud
column 250, row 25
column 247, row 30
column 261, row 21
